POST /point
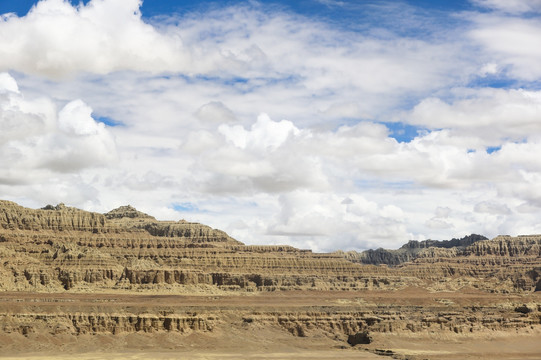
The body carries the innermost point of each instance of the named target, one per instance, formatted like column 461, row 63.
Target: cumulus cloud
column 262, row 158
column 351, row 155
column 489, row 69
column 34, row 137
column 269, row 144
column 75, row 118
column 58, row 39
column 510, row 43
column 493, row 115
column 318, row 220
column 265, row 134
column 8, row 84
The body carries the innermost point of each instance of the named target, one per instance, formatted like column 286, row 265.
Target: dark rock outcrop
column 408, row 252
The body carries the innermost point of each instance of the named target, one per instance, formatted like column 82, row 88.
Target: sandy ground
column 488, row 345
column 502, row 346
column 320, row 355
column 278, row 299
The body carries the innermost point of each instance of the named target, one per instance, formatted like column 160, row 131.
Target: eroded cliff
column 61, row 248
column 66, row 273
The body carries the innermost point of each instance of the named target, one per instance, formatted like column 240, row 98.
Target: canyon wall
column 62, row 248
column 66, row 273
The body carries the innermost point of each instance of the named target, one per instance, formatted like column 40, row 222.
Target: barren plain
column 124, row 285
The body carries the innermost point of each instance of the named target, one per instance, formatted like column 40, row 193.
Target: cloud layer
column 275, row 126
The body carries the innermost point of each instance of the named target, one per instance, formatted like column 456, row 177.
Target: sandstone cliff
column 62, row 248
column 503, row 264
column 408, row 252
column 69, row 274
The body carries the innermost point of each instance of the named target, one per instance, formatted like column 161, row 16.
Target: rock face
column 127, row 212
column 62, row 248
column 408, row 252
column 58, row 218
column 447, row 244
column 504, row 264
column 356, row 319
column 59, row 253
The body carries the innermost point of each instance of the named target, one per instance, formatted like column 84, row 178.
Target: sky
column 323, row 124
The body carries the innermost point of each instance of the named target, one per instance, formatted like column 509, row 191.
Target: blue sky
column 317, row 123
column 309, row 7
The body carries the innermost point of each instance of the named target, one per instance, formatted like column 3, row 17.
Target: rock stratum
column 408, row 252
column 68, row 275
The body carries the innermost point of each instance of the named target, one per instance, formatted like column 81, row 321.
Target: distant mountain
column 409, row 251
column 447, row 244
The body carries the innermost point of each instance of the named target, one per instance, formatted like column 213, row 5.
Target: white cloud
column 266, row 123
column 509, row 42
column 438, row 224
column 57, row 39
column 332, row 3
column 8, row 84
column 443, row 212
column 35, row 139
column 511, row 6
column 75, row 119
column 491, row 207
column 319, row 220
column 493, row 115
column 262, row 158
column 489, row 69
column 215, row 112
column 265, row 134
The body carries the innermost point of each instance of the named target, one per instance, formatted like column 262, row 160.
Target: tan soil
column 232, row 338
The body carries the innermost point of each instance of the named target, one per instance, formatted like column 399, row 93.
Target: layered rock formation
column 344, row 318
column 61, row 248
column 503, row 264
column 408, row 252
column 142, row 273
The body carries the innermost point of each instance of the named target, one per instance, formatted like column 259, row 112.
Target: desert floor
column 262, row 342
